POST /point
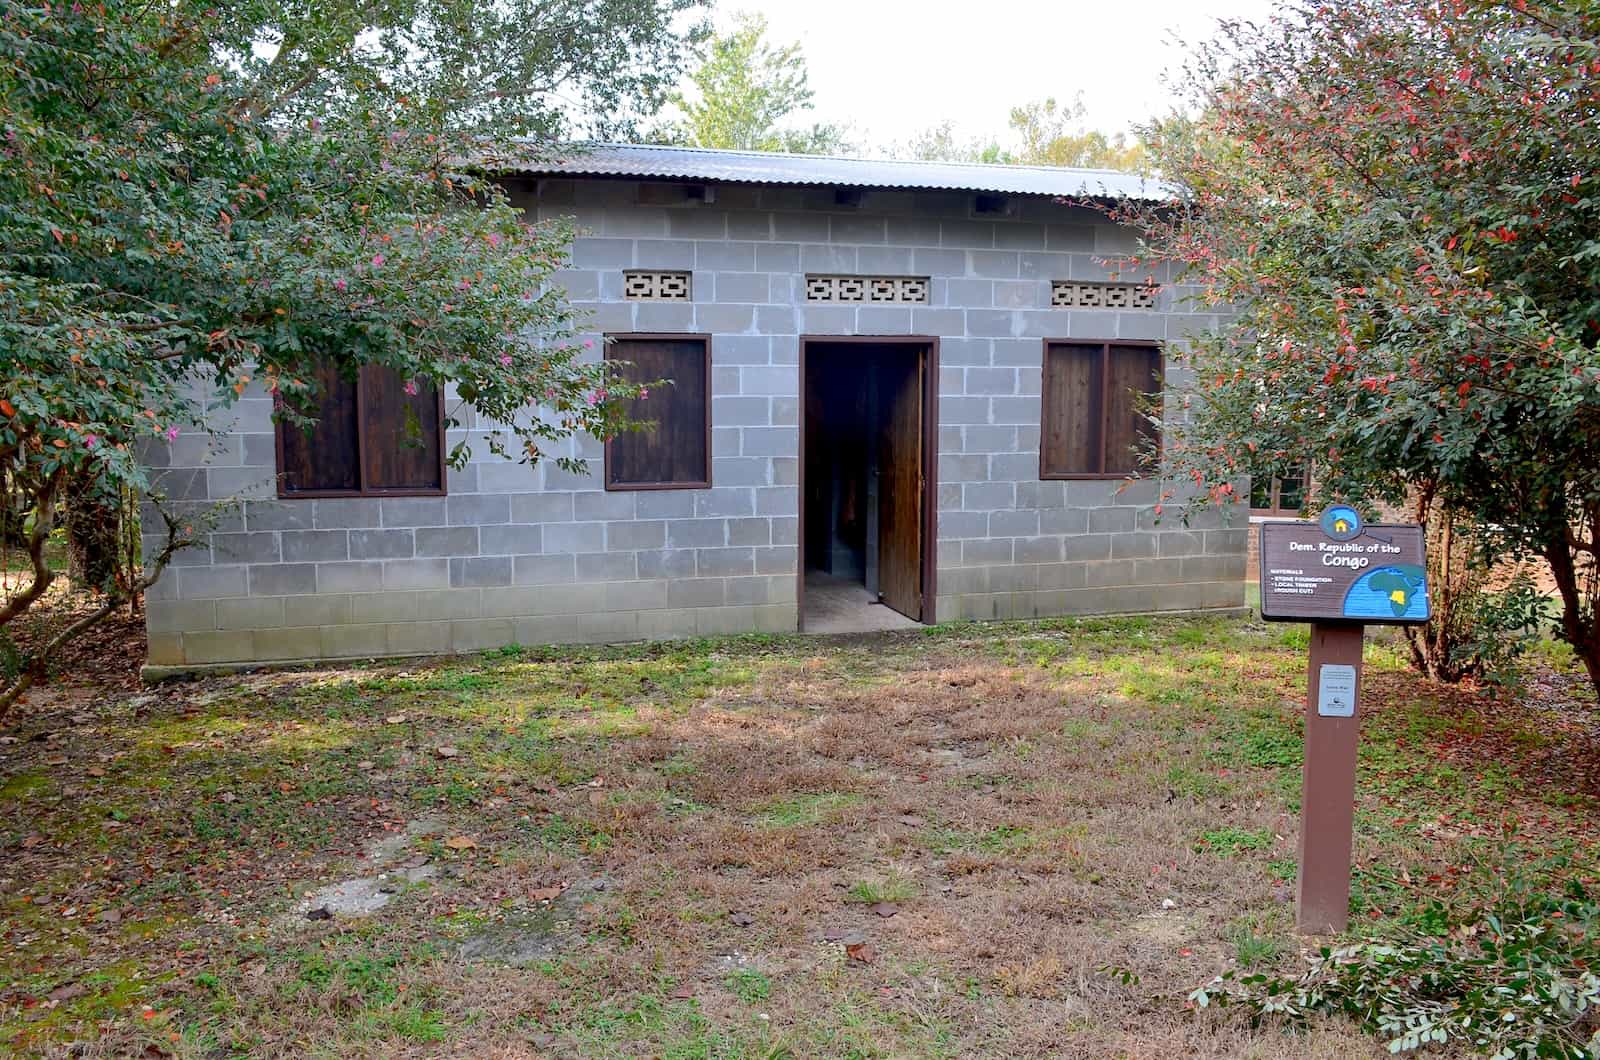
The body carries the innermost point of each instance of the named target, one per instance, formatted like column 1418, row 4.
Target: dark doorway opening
column 867, row 474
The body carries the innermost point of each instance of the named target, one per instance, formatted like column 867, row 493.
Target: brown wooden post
column 1328, row 791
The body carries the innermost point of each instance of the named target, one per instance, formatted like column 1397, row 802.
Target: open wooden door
column 900, row 481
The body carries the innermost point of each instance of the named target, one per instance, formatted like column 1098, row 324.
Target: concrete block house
column 904, row 392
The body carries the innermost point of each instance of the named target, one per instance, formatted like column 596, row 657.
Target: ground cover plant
column 1000, row 840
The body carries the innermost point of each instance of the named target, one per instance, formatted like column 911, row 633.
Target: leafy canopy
column 1402, row 203
column 198, row 204
column 746, row 93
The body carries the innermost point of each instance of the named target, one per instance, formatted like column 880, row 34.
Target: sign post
column 1340, row 575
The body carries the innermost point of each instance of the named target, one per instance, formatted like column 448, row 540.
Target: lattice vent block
column 894, row 290
column 1071, row 294
column 652, row 285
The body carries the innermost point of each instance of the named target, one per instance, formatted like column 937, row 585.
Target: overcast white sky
column 889, row 68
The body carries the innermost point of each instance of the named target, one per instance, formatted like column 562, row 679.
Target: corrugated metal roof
column 757, row 167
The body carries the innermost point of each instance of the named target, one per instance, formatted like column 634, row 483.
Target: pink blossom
column 172, row 433
column 377, row 260
column 411, row 386
column 493, row 238
column 549, row 393
column 644, row 394
column 588, row 344
column 339, row 284
column 505, row 359
column 464, row 285
column 89, row 441
column 593, row 397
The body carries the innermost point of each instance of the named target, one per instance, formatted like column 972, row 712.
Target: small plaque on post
column 1336, row 691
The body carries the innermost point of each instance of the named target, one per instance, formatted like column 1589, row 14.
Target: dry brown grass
column 1039, row 792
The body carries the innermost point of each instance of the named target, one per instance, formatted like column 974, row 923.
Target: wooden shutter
column 1092, row 421
column 1073, row 419
column 674, row 450
column 322, row 457
column 370, row 436
column 402, row 435
column 1132, row 374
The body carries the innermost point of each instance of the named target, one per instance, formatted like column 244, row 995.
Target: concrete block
column 282, row 579
column 731, row 256
column 477, row 509
column 278, row 515
column 354, row 577
column 1132, row 545
column 665, row 504
column 301, row 642
column 314, row 545
column 696, row 592
column 634, row 595
column 667, row 563
column 510, row 539
column 724, row 562
column 574, row 537
column 317, row 610
column 355, row 642
column 245, row 548
column 416, row 573
column 206, row 583
column 176, row 616
column 1111, row 520
column 417, row 638
column 696, row 533
column 607, row 566
column 541, row 508
column 664, row 254
column 633, row 535
column 447, row 541
column 439, row 605
column 250, row 612
column 598, row 506
column 413, row 511
column 338, row 513
column 223, row 646
column 471, row 571
column 382, row 544
column 543, row 570
column 1086, row 547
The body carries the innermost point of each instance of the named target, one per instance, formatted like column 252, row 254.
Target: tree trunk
column 1578, row 620
column 94, row 539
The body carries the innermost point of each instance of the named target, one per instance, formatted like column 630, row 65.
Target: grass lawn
column 1006, row 840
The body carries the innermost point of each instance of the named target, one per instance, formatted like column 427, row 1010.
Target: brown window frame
column 1045, row 413
column 659, row 336
column 361, row 456
column 1274, row 492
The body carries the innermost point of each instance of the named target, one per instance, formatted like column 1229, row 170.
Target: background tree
column 1043, row 133
column 199, row 202
column 744, row 95
column 1053, row 135
column 1402, row 200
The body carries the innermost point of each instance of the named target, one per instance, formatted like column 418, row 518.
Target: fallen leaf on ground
column 683, row 993
column 365, row 765
column 861, row 951
column 319, row 913
column 741, row 919
column 95, row 771
column 395, row 719
column 111, row 916
column 546, row 894
column 68, row 992
column 446, row 751
column 461, row 842
column 884, row 909
column 910, row 820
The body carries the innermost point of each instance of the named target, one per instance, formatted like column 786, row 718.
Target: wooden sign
column 1379, row 576
column 1339, row 574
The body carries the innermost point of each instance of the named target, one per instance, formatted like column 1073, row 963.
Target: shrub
column 1512, row 977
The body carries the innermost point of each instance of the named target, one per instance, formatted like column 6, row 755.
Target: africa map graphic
column 1394, row 592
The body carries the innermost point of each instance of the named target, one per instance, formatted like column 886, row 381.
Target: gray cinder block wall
column 520, row 555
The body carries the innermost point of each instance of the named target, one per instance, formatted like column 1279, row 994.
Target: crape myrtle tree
column 1401, row 199
column 196, row 201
